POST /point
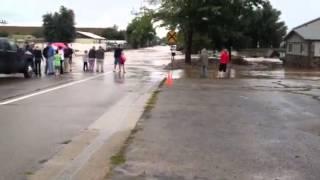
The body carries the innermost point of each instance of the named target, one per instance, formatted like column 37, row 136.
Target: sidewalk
column 244, row 129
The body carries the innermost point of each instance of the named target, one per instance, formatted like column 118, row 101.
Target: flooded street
column 160, row 90
column 40, row 116
column 262, row 124
column 259, row 124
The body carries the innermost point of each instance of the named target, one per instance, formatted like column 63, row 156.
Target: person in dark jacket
column 45, row 55
column 67, row 56
column 92, row 58
column 100, row 59
column 37, row 60
column 117, row 56
column 70, row 58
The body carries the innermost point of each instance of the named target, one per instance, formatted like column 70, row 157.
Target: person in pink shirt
column 224, row 61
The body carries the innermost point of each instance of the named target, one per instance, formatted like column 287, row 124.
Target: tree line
column 221, row 23
column 59, row 26
column 200, row 23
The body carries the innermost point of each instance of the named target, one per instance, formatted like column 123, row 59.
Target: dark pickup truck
column 14, row 59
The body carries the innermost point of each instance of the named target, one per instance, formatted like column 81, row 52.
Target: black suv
column 14, row 59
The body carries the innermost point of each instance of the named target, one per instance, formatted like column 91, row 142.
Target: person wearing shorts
column 222, row 67
column 117, row 56
column 224, row 60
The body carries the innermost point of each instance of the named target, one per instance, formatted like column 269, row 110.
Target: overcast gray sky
column 297, row 12
column 92, row 13
column 103, row 13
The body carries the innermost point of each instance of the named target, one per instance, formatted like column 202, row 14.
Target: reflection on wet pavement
column 119, row 77
column 191, row 72
column 298, row 82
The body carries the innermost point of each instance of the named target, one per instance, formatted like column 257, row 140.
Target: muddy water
column 247, row 72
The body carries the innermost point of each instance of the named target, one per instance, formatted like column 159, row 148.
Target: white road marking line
column 51, row 89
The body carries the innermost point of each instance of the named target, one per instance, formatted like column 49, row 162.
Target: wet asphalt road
column 286, row 105
column 241, row 129
column 34, row 129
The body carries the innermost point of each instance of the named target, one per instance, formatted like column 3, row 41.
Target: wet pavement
column 255, row 71
column 40, row 116
column 260, row 125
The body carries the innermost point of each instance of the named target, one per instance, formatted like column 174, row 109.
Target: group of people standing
column 223, row 63
column 58, row 61
column 95, row 58
column 89, row 60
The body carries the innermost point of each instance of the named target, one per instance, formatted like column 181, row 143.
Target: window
column 301, row 48
column 13, row 46
column 289, row 47
column 9, row 46
column 316, row 49
column 6, row 46
column 1, row 45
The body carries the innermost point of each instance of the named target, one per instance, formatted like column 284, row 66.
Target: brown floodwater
column 247, row 72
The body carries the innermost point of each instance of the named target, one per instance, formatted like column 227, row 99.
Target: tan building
column 89, row 38
column 86, row 40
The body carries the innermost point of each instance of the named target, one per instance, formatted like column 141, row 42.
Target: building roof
column 91, row 35
column 27, row 30
column 308, row 31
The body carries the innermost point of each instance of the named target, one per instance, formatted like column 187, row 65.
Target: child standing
column 85, row 61
column 122, row 62
column 57, row 62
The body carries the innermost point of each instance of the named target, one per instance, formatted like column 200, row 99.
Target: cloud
column 297, row 12
column 100, row 13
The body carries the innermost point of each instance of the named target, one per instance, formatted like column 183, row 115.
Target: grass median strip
column 152, row 101
column 118, row 159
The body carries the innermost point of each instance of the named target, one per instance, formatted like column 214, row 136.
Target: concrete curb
column 88, row 155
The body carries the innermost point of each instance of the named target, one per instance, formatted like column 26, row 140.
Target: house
column 303, row 45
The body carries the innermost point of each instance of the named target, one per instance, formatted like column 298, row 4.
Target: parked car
column 14, row 59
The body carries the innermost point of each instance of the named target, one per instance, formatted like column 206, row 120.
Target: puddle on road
column 236, row 72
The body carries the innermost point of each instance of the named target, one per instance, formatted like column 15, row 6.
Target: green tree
column 38, row 33
column 140, row 32
column 4, row 34
column 113, row 33
column 59, row 27
column 265, row 28
column 220, row 20
column 181, row 14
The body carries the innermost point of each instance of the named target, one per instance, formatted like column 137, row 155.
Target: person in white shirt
column 61, row 52
column 85, row 59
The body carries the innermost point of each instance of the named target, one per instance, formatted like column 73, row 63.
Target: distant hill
column 29, row 30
